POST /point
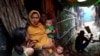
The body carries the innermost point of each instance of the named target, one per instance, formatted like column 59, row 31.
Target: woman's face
column 35, row 19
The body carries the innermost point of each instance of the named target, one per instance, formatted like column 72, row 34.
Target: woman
column 20, row 47
column 37, row 32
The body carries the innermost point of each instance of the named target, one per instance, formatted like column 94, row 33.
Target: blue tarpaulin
column 88, row 13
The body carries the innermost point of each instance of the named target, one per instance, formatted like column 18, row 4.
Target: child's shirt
column 51, row 28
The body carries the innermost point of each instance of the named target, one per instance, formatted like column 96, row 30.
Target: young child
column 59, row 51
column 20, row 47
column 49, row 28
column 50, row 32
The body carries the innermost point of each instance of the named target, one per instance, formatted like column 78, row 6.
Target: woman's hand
column 28, row 48
column 30, row 43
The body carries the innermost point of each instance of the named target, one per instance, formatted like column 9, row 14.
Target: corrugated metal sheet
column 12, row 14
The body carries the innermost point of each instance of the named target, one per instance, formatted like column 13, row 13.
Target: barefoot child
column 59, row 51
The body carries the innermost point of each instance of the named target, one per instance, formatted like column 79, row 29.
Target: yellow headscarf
column 30, row 15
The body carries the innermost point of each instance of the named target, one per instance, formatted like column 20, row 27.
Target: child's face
column 59, row 49
column 48, row 22
column 44, row 16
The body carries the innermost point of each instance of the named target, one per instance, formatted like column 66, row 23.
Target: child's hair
column 44, row 13
column 59, row 45
column 19, row 35
column 49, row 20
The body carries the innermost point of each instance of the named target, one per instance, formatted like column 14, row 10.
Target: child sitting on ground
column 59, row 51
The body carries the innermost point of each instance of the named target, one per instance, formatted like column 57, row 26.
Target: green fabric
column 51, row 28
column 14, row 53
